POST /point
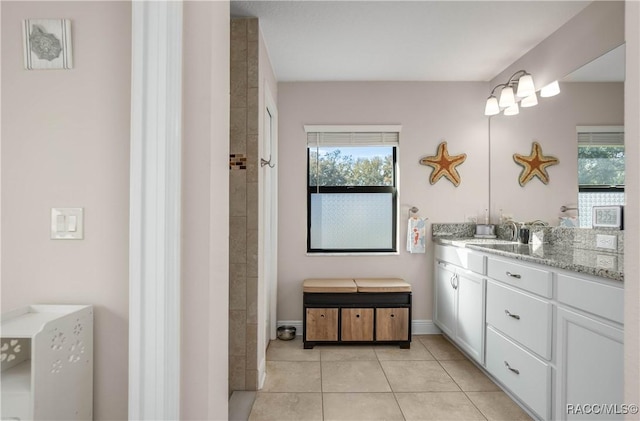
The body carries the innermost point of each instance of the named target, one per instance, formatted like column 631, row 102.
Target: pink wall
column 429, row 112
column 65, row 143
column 553, row 124
column 205, row 212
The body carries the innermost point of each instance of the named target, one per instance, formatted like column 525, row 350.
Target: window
column 600, row 169
column 351, row 190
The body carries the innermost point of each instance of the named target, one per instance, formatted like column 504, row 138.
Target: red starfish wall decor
column 534, row 165
column 444, row 165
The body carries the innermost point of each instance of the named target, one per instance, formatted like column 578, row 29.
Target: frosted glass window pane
column 351, row 221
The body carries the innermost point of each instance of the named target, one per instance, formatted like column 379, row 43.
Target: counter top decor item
column 444, row 165
column 534, row 165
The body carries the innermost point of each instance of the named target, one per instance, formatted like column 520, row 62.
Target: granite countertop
column 592, row 262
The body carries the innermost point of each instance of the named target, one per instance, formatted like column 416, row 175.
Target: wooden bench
column 361, row 310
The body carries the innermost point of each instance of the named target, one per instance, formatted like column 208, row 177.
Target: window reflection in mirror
column 600, row 148
column 600, row 169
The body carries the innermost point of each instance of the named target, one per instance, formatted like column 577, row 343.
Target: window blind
column 352, row 139
column 600, row 138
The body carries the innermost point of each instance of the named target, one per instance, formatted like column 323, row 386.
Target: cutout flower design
column 45, row 45
column 57, row 341
column 9, row 350
column 56, row 367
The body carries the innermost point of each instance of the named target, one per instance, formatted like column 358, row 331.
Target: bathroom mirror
column 591, row 97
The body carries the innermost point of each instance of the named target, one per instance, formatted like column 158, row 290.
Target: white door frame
column 267, row 244
column 272, row 288
column 155, row 203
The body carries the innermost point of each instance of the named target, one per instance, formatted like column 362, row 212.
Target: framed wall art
column 47, row 44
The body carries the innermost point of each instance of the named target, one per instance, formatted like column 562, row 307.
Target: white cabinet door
column 590, row 367
column 470, row 320
column 445, row 300
column 459, row 308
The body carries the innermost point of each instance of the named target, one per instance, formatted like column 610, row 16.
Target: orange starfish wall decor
column 444, row 165
column 534, row 165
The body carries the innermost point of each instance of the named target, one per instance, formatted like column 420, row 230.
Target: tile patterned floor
column 430, row 381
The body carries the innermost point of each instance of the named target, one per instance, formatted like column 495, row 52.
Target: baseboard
column 262, row 373
column 424, row 327
column 418, row 327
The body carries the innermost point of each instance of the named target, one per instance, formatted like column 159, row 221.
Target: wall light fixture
column 525, row 92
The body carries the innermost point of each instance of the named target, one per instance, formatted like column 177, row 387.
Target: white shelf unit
column 46, row 354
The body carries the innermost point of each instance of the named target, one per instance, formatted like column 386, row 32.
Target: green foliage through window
column 361, row 166
column 601, row 165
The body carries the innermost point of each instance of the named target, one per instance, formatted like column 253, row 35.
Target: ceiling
column 402, row 40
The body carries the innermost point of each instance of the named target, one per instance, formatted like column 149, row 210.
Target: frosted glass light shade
column 529, row 101
column 507, row 98
column 525, row 86
column 492, row 107
column 512, row 110
column 551, row 89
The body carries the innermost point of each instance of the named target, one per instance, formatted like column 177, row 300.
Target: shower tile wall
column 243, row 207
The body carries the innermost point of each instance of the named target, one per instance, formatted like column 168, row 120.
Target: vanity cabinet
column 459, row 301
column 589, row 348
column 578, row 355
column 520, row 331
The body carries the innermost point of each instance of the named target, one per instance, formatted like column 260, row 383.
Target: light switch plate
column 67, row 223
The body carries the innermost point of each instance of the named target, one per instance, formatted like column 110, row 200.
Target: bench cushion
column 382, row 285
column 329, row 285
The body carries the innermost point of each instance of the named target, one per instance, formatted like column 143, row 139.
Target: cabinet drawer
column 522, row 373
column 322, row 324
column 462, row 257
column 521, row 316
column 522, row 276
column 357, row 324
column 392, row 324
column 600, row 299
